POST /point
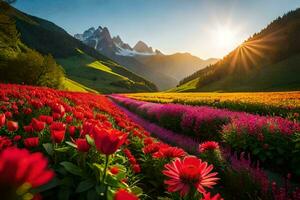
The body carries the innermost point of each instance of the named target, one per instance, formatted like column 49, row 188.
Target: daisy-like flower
column 169, row 152
column 209, row 145
column 187, row 173
column 207, row 196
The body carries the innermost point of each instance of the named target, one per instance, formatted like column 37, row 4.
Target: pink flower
column 187, row 173
column 209, row 145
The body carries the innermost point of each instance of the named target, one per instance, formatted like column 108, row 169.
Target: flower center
column 190, row 174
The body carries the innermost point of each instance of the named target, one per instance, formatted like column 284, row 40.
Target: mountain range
column 163, row 70
column 84, row 66
column 267, row 61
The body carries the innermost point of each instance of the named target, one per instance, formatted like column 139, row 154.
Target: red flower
column 12, row 126
column 17, row 138
column 82, row 145
column 136, row 168
column 45, row 118
column 209, row 145
column 169, row 152
column 187, row 173
column 57, row 136
column 107, row 142
column 122, row 194
column 5, row 142
column 19, row 166
column 38, row 125
column 114, row 170
column 8, row 114
column 28, row 129
column 31, row 142
column 72, row 130
column 69, row 119
column 206, row 196
column 2, row 120
column 27, row 111
column 58, row 130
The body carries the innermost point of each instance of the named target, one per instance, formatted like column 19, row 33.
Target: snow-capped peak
column 101, row 40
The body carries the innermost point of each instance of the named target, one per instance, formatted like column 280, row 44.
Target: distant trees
column 20, row 64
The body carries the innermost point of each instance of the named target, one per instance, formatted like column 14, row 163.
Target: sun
column 224, row 36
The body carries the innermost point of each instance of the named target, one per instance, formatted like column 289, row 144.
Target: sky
column 204, row 28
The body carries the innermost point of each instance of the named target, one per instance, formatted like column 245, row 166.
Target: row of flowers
column 240, row 179
column 274, row 141
column 64, row 145
column 285, row 104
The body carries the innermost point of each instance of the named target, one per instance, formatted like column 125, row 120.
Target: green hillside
column 103, row 76
column 267, row 61
column 76, row 57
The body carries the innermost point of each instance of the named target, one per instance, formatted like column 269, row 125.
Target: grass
column 103, row 77
column 71, row 85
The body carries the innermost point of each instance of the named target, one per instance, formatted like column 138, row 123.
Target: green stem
column 105, row 168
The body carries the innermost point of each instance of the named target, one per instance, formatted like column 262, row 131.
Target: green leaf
column 137, row 190
column 49, row 148
column 62, row 149
column 90, row 140
column 73, row 169
column 85, row 185
column 100, row 189
column 71, row 144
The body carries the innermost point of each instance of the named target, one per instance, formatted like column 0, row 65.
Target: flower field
column 270, row 142
column 70, row 145
column 286, row 104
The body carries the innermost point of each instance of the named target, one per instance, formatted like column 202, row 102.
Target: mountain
column 163, row 70
column 81, row 63
column 267, row 61
column 177, row 65
column 101, row 40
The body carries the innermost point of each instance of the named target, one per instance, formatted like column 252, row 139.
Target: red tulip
column 19, row 166
column 56, row 116
column 28, row 129
column 82, row 145
column 107, row 142
column 5, row 142
column 38, row 125
column 17, row 138
column 72, row 130
column 58, row 108
column 69, row 119
column 8, row 114
column 31, row 142
column 12, row 126
column 136, row 168
column 2, row 119
column 45, row 118
column 58, row 130
column 27, row 111
column 57, row 136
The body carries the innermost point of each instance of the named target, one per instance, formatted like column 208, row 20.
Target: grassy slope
column 275, row 77
column 71, row 85
column 100, row 76
column 103, row 74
